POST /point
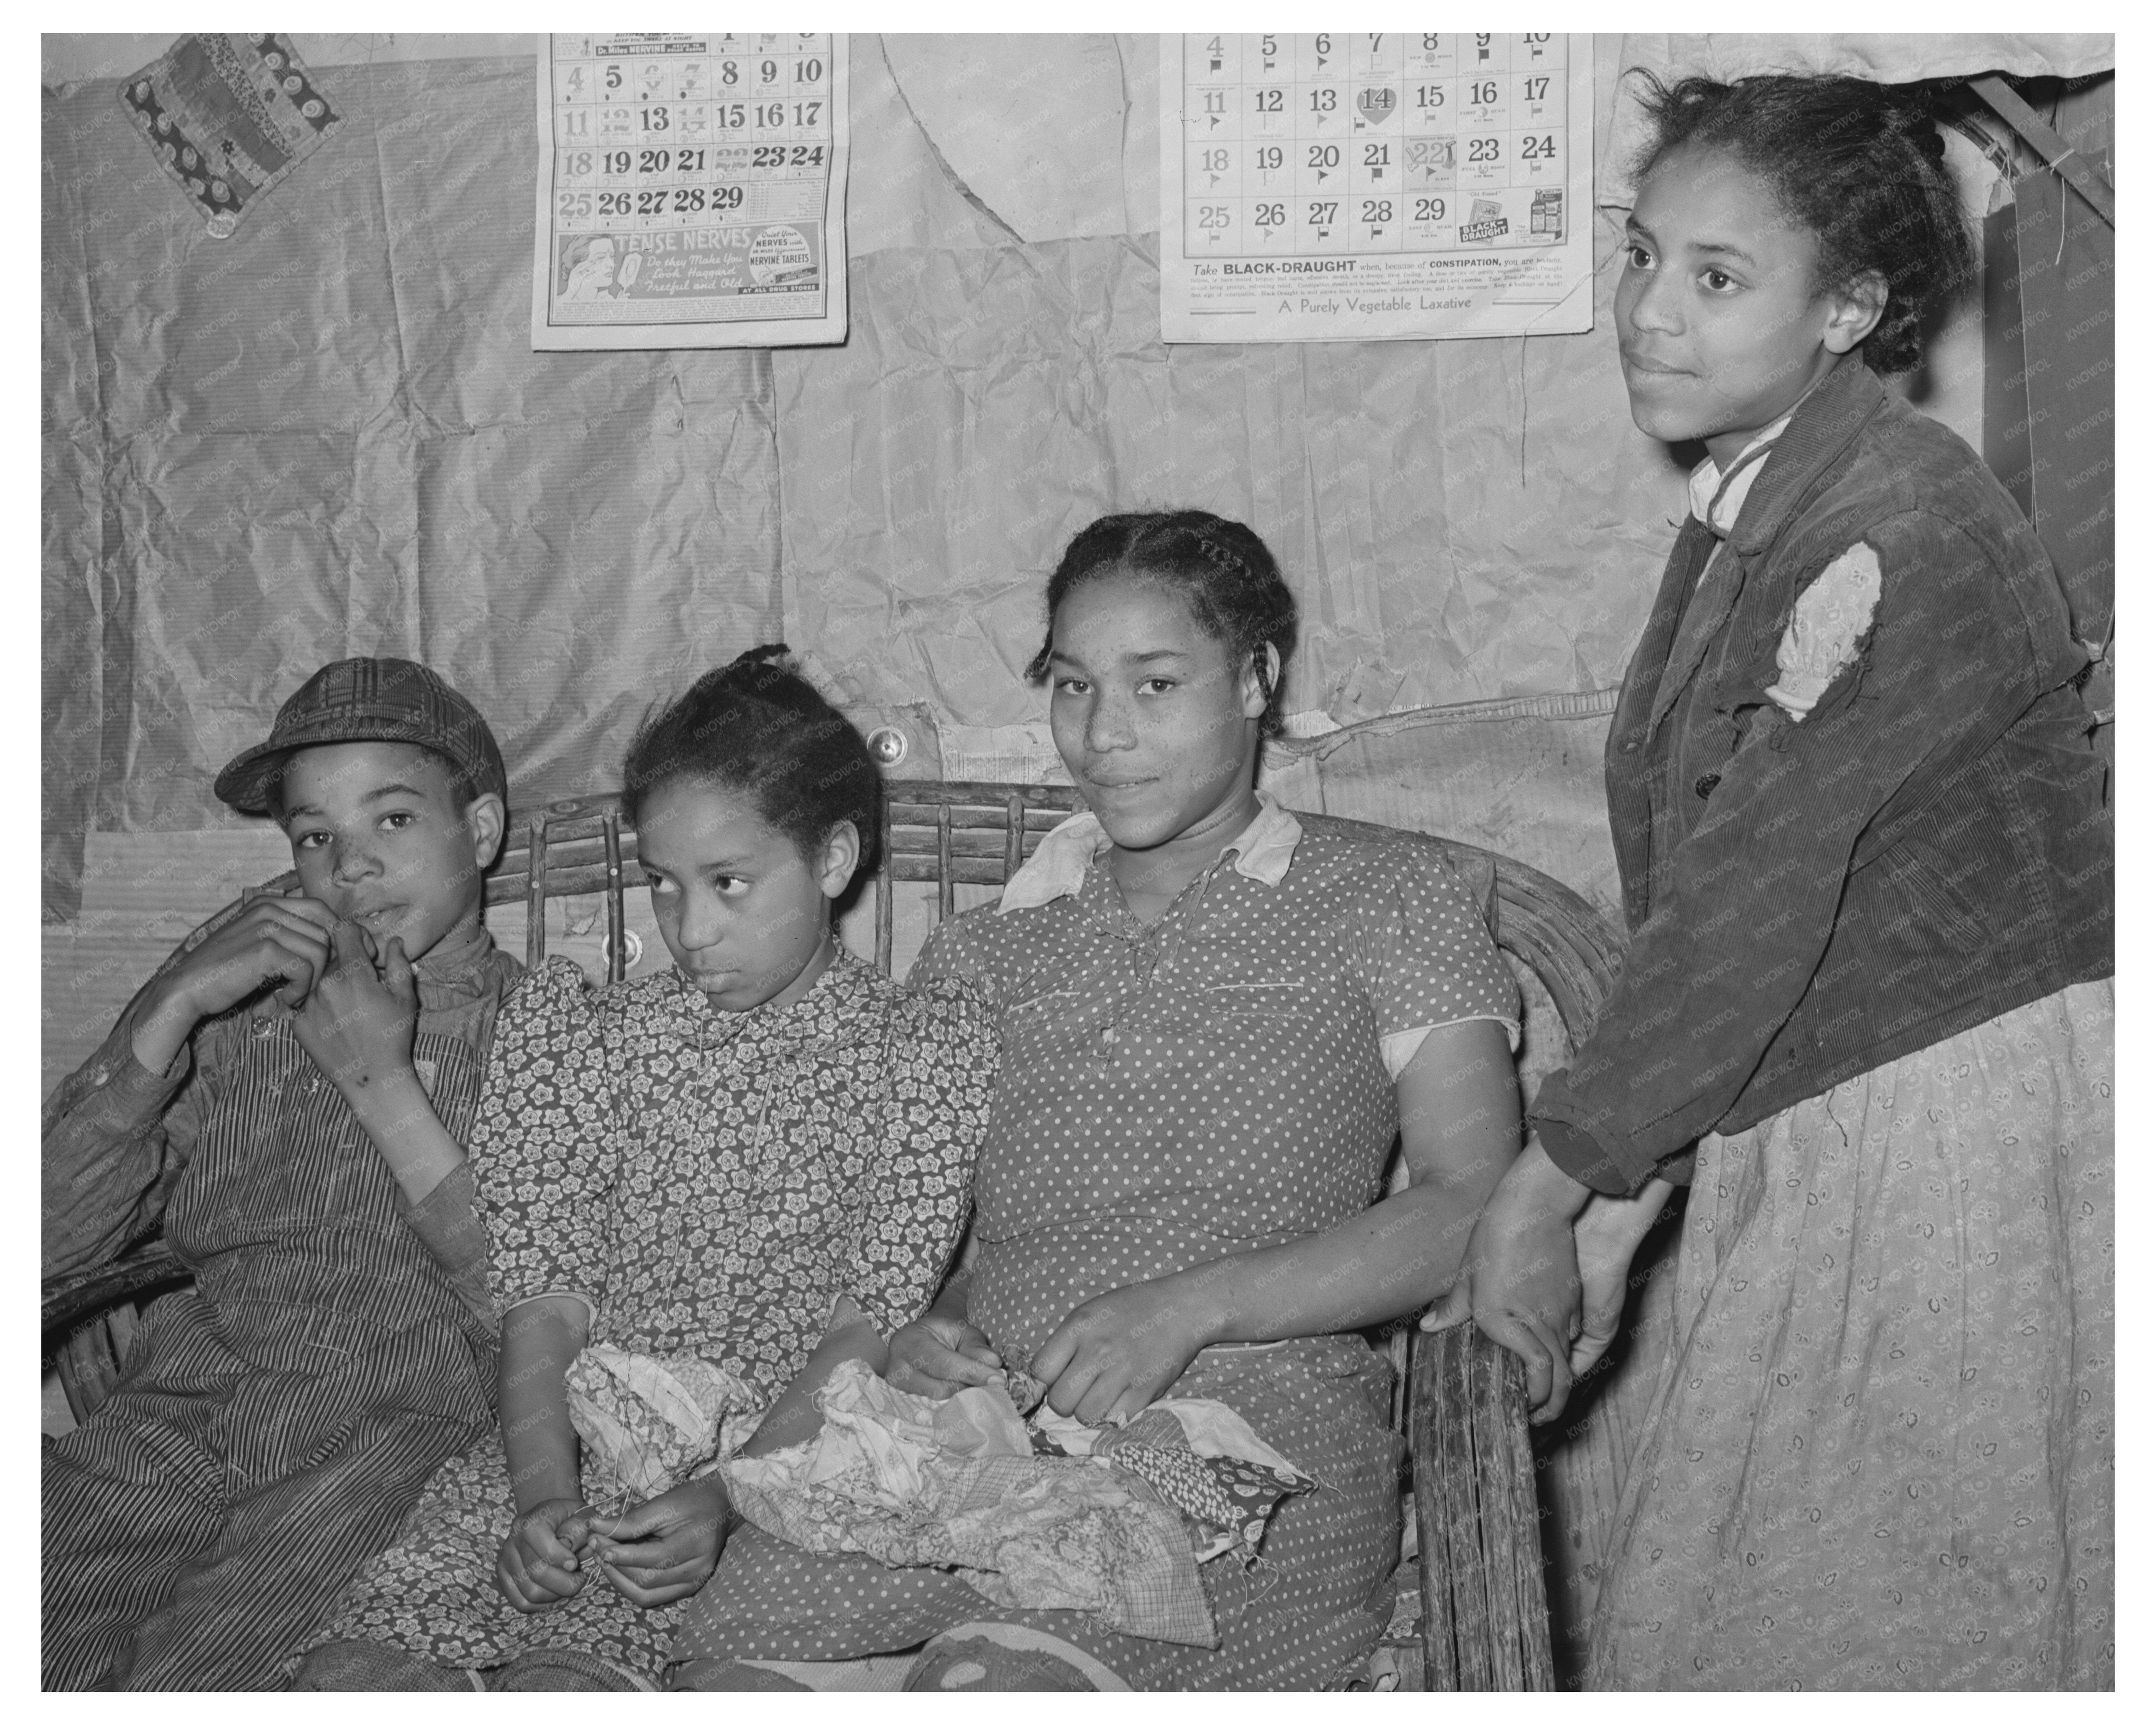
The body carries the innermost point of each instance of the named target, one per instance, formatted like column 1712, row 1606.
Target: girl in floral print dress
column 758, row 1161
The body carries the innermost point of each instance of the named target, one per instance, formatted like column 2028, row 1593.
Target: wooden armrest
column 70, row 1300
column 1485, row 1613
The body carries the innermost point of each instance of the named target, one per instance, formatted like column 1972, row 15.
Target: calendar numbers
column 686, row 190
column 718, row 129
column 1339, row 142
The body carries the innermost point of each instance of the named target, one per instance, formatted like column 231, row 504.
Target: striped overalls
column 272, row 1427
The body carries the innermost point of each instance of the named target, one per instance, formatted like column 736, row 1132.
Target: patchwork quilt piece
column 1045, row 1514
column 651, row 1423
column 1198, row 1456
column 228, row 116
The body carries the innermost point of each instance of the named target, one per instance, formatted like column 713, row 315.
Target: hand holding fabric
column 1119, row 1351
column 937, row 1355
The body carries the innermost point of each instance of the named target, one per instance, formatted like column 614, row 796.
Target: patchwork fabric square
column 228, row 116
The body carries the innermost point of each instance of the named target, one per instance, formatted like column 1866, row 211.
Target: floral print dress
column 706, row 1183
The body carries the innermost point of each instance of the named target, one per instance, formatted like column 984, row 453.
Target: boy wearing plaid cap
column 289, row 1098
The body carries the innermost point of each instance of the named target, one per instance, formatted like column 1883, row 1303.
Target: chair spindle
column 534, row 897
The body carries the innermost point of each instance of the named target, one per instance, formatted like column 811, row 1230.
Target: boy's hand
column 358, row 1026
column 937, row 1357
column 536, row 1568
column 279, row 940
column 662, row 1550
column 1119, row 1351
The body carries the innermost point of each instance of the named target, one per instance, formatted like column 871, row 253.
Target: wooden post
column 1486, row 1615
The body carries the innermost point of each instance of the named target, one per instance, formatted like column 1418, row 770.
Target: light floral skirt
column 1880, row 1453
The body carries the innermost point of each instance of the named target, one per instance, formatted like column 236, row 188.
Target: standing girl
column 1867, row 862
column 758, row 1161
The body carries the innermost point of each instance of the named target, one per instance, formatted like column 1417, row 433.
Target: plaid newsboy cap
column 368, row 701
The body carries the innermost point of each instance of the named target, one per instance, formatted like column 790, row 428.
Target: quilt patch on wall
column 228, row 116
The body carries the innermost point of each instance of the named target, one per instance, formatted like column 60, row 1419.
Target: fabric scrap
column 652, row 1423
column 228, row 116
column 1023, row 1530
column 1204, row 1426
column 1201, row 1456
column 1312, row 1610
column 1832, row 615
column 979, row 1422
column 1026, row 1391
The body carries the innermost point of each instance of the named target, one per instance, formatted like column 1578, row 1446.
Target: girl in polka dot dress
column 757, row 1160
column 1217, row 1017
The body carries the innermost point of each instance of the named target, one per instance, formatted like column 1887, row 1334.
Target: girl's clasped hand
column 539, row 1567
column 653, row 1553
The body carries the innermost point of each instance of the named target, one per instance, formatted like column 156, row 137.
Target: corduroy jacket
column 1927, row 847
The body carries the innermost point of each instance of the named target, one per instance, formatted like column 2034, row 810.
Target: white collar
column 1057, row 868
column 1718, row 494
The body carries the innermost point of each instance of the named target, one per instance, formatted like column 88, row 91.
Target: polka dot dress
column 1171, row 1093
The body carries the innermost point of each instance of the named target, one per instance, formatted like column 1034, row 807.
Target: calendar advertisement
column 692, row 192
column 1375, row 187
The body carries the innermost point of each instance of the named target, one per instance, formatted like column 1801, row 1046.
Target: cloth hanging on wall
column 227, row 117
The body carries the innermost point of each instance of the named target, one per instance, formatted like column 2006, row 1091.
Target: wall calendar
column 692, row 191
column 1366, row 186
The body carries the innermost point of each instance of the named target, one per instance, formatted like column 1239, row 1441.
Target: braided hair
column 758, row 728
column 1229, row 580
column 1863, row 168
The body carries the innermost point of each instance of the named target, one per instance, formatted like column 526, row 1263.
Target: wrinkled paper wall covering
column 937, row 464
column 1459, row 519
column 328, row 435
